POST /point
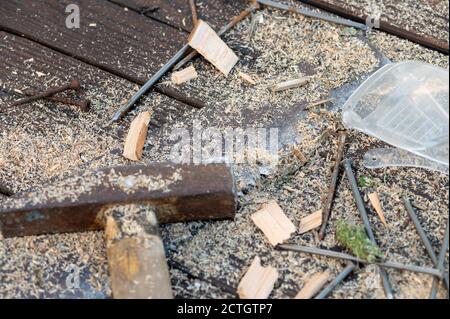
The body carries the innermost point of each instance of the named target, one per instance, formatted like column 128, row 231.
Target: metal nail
column 426, row 242
column 343, row 256
column 365, row 217
column 312, row 14
column 73, row 85
column 83, row 104
column 441, row 263
column 329, row 289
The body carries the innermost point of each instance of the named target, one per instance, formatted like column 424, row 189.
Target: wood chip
column 184, row 75
column 318, row 103
column 258, row 282
column 292, row 84
column 376, row 203
column 135, row 141
column 300, row 156
column 313, row 286
column 273, row 223
column 310, row 222
column 212, row 48
column 247, row 78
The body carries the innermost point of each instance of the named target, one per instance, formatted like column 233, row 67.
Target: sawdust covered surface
column 220, row 252
column 428, row 18
column 207, row 259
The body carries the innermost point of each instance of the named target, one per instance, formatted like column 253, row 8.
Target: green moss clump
column 355, row 239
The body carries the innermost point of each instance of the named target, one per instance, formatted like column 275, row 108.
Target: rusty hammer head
column 75, row 204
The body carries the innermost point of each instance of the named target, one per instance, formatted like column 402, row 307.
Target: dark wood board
column 26, row 64
column 424, row 22
column 119, row 41
column 178, row 13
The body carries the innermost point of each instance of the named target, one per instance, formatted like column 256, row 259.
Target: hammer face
column 176, row 192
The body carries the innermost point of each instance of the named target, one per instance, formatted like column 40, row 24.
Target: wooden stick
column 291, row 84
column 247, row 78
column 193, row 11
column 333, row 184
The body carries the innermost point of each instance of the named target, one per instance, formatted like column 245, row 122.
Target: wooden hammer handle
column 137, row 261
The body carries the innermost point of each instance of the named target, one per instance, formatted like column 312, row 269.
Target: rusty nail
column 83, row 104
column 72, row 85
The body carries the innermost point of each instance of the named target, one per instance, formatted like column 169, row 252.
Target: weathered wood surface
column 178, row 13
column 424, row 22
column 38, row 139
column 121, row 42
column 137, row 261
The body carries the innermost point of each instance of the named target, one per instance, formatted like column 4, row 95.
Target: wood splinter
column 313, row 286
column 212, row 48
column 185, row 75
column 333, row 185
column 310, row 222
column 135, row 141
column 273, row 223
column 376, row 203
column 292, row 84
column 247, row 78
column 258, row 281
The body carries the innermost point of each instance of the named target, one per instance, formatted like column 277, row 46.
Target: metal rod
column 254, row 6
column 343, row 256
column 426, row 242
column 429, row 42
column 155, row 78
column 441, row 263
column 312, row 14
column 365, row 217
column 72, row 85
column 170, row 64
column 332, row 189
column 82, row 104
column 328, row 289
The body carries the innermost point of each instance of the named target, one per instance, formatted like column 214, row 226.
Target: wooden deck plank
column 178, row 14
column 424, row 22
column 26, row 64
column 119, row 41
column 41, row 140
